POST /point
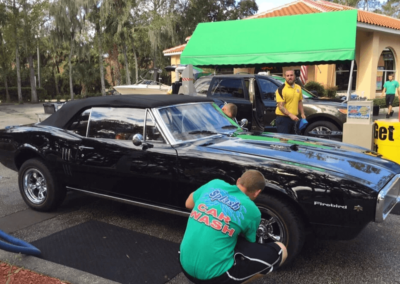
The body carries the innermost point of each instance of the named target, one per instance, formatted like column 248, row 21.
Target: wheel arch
column 323, row 117
column 24, row 155
column 283, row 196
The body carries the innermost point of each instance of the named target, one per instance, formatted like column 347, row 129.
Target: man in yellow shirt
column 289, row 102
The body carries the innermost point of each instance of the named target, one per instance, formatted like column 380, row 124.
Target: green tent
column 291, row 40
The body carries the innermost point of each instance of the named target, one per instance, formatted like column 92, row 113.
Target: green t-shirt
column 391, row 87
column 221, row 212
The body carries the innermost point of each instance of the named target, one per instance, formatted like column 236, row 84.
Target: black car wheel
column 39, row 187
column 280, row 223
column 321, row 126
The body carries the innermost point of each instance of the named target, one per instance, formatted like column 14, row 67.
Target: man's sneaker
column 387, row 115
column 391, row 113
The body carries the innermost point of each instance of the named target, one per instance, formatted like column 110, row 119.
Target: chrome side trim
column 387, row 198
column 137, row 203
column 66, row 154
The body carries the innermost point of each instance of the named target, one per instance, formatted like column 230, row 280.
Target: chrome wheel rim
column 321, row 128
column 271, row 228
column 35, row 186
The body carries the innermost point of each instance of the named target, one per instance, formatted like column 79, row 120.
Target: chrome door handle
column 84, row 147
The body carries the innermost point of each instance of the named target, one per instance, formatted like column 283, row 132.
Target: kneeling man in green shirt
column 219, row 242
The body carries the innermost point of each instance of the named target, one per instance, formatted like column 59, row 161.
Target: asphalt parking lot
column 372, row 257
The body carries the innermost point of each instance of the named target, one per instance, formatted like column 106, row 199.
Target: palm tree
column 13, row 9
column 93, row 10
column 4, row 48
column 68, row 16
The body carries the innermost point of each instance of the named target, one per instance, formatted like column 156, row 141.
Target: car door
column 114, row 166
column 232, row 90
column 267, row 92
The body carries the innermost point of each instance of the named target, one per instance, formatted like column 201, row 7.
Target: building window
column 343, row 76
column 386, row 66
column 273, row 70
column 223, row 71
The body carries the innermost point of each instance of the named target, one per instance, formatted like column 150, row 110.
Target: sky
column 264, row 5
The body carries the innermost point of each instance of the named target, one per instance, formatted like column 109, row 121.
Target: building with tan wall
column 377, row 49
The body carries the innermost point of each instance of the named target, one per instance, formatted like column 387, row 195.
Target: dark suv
column 255, row 97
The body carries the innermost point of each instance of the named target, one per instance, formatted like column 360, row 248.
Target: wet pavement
column 372, row 257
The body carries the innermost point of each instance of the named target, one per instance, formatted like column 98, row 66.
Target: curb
column 52, row 269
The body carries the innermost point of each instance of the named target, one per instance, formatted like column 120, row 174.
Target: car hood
column 340, row 159
column 326, row 99
column 330, row 102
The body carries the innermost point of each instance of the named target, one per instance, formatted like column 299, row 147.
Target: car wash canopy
column 303, row 39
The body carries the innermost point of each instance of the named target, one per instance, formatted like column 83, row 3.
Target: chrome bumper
column 388, row 197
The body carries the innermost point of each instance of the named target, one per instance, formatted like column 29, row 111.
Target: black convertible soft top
column 68, row 110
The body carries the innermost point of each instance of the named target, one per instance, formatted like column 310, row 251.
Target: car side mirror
column 137, row 139
column 244, row 122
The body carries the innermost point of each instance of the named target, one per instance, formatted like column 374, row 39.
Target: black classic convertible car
column 153, row 151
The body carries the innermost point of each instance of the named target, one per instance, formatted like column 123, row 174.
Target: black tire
column 284, row 221
column 39, row 187
column 321, row 126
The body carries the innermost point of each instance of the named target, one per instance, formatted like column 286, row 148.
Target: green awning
column 301, row 39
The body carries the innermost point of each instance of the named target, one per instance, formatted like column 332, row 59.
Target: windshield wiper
column 229, row 126
column 202, row 132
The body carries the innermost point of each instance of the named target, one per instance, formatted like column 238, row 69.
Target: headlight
column 343, row 110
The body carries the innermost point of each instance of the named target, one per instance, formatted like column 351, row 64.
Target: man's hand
column 293, row 117
column 303, row 116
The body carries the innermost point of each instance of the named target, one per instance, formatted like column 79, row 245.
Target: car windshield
column 306, row 93
column 195, row 121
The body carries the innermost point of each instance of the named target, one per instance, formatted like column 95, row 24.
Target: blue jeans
column 285, row 124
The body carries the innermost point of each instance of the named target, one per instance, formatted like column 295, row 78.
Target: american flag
column 303, row 74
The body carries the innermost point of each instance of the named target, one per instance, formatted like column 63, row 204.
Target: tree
column 32, row 17
column 93, row 11
column 68, row 15
column 351, row 3
column 5, row 51
column 120, row 28
column 56, row 53
column 193, row 12
column 13, row 8
column 391, row 8
column 366, row 5
column 159, row 22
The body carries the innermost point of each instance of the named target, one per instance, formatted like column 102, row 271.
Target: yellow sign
column 387, row 139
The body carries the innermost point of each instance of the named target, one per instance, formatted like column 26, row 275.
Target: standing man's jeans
column 285, row 124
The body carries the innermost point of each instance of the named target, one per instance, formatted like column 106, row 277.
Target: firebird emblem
column 358, row 208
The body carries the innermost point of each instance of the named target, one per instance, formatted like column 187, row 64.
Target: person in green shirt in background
column 219, row 242
column 390, row 88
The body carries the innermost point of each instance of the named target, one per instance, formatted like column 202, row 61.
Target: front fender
column 323, row 197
